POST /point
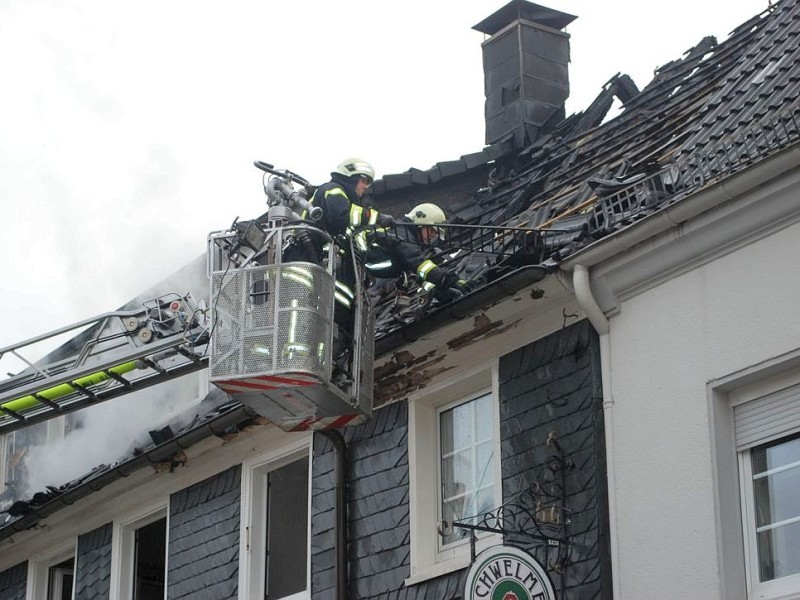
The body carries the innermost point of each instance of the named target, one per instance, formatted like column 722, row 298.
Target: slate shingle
column 204, row 538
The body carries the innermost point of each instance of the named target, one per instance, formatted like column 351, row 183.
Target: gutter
column 714, row 195
column 501, row 288
column 586, row 300
column 217, row 425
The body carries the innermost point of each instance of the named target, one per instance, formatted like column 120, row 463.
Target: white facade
column 699, row 311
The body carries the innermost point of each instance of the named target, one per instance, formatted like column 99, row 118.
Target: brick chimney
column 525, row 66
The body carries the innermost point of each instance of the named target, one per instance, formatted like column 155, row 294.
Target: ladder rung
column 153, row 365
column 190, row 355
column 83, row 390
column 49, row 403
column 118, row 378
column 14, row 414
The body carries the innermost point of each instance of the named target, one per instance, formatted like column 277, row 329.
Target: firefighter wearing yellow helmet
column 392, row 253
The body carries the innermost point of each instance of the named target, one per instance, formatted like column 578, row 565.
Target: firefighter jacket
column 341, row 217
column 392, row 253
column 341, row 213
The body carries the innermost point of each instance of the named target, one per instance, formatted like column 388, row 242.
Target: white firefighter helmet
column 355, row 166
column 428, row 214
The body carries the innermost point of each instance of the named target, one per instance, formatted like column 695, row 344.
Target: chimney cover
column 521, row 9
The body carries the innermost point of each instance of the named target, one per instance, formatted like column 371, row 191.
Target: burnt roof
column 717, row 110
column 165, row 451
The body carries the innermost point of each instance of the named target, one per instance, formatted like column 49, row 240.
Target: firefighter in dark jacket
column 343, row 214
column 401, row 250
column 341, row 199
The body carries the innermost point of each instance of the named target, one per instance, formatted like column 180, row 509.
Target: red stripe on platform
column 288, row 380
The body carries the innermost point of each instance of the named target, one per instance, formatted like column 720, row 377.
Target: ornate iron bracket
column 537, row 514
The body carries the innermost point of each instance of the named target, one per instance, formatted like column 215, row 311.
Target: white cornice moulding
column 697, row 230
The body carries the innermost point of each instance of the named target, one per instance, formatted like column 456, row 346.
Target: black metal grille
column 694, row 169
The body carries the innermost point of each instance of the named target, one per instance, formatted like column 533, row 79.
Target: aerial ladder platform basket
column 279, row 344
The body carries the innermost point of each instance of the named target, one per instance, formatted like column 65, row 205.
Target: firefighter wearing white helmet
column 343, row 213
column 341, row 199
column 392, row 253
column 427, row 214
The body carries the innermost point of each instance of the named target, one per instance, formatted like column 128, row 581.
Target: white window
column 772, row 477
column 60, row 579
column 139, row 555
column 767, row 433
column 466, row 464
column 274, row 553
column 457, row 424
column 51, row 575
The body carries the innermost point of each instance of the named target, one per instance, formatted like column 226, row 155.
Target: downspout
column 340, row 506
column 585, row 298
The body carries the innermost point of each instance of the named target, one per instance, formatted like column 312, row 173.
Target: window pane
column 466, row 435
column 150, row 562
column 776, row 495
column 485, row 501
column 779, row 552
column 456, row 474
column 485, row 473
column 287, row 537
column 775, row 455
column 462, row 426
column 485, row 418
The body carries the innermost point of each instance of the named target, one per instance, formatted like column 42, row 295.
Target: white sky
column 128, row 130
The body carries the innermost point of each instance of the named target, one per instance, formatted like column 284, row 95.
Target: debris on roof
column 719, row 109
column 164, row 454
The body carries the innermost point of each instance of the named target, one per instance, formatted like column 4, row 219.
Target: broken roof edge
column 693, row 205
column 501, row 288
column 392, row 182
column 229, row 415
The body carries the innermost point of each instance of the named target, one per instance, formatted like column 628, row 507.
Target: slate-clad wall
column 93, row 564
column 551, row 390
column 12, row 582
column 204, row 539
column 378, row 514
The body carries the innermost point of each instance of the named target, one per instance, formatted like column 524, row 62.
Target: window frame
column 123, row 546
column 253, row 506
column 443, row 548
column 733, row 500
column 39, row 569
column 775, row 588
column 428, row 557
column 782, row 586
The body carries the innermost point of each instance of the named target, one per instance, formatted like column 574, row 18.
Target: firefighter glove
column 445, row 295
column 385, row 220
column 464, row 286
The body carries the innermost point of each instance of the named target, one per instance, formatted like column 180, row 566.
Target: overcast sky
column 128, row 130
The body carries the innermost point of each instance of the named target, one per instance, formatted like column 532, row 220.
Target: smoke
column 61, row 450
column 109, row 432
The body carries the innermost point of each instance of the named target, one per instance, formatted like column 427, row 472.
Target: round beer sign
column 507, row 573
